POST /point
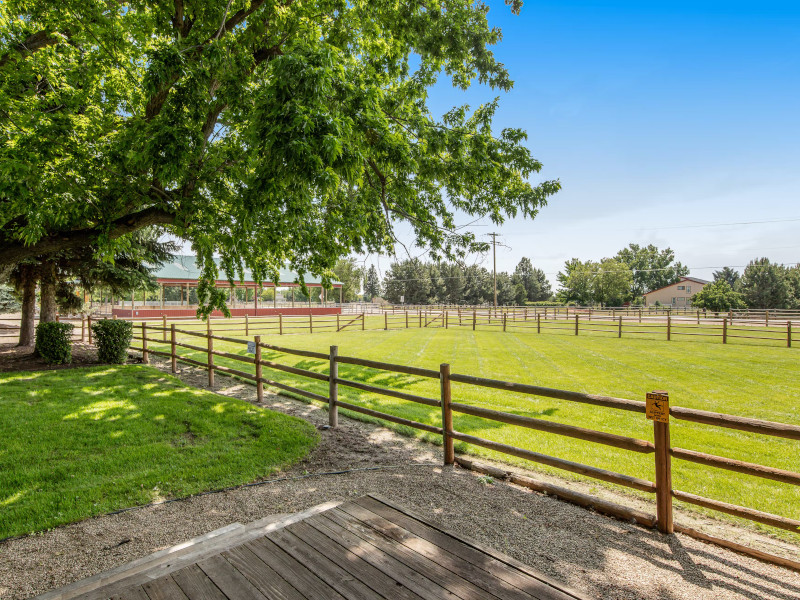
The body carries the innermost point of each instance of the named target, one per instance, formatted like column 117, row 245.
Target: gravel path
column 597, row 555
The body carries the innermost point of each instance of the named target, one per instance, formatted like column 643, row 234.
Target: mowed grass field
column 744, row 380
column 86, row 441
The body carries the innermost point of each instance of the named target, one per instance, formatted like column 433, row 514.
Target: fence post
column 280, row 323
column 385, row 321
column 640, row 315
column 669, row 327
column 446, row 319
column 89, row 327
column 246, row 326
column 538, row 322
column 406, row 319
column 363, row 321
column 259, row 370
column 766, row 318
column 83, row 328
column 788, row 334
column 172, row 352
column 505, row 318
column 333, row 388
column 338, row 327
column 576, row 323
column 310, row 322
column 663, row 476
column 164, row 328
column 210, row 354
column 145, row 353
column 725, row 330
column 474, row 318
column 447, row 415
column 620, row 326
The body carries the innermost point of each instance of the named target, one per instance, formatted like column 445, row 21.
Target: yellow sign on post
column 657, row 406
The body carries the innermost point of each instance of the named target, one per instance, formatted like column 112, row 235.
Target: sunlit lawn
column 759, row 382
column 82, row 442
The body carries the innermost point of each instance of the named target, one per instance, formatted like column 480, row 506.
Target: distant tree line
column 763, row 284
column 414, row 281
column 626, row 277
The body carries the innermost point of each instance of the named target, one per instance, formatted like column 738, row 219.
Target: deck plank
column 354, row 564
column 386, row 563
column 367, row 549
column 422, row 564
column 163, row 588
column 304, row 580
column 196, row 584
column 339, row 579
column 136, row 593
column 471, row 550
column 268, row 582
column 228, row 579
column 444, row 557
column 454, row 554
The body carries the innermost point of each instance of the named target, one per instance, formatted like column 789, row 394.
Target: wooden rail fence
column 763, row 329
column 660, row 447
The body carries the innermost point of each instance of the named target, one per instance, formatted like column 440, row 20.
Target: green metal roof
column 185, row 267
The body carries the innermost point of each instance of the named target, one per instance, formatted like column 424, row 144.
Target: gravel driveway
column 597, row 555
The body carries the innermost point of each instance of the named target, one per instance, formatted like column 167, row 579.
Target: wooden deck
column 366, row 548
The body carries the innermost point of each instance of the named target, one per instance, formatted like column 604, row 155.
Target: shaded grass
column 761, row 382
column 83, row 442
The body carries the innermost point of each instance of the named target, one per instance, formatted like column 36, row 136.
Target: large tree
column 407, row 281
column 612, row 282
column 764, row 284
column 268, row 132
column 576, row 281
column 728, row 275
column 533, row 281
column 60, row 274
column 372, row 284
column 718, row 296
column 350, row 274
column 652, row 268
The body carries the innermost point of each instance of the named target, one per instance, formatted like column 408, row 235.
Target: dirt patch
column 15, row 358
column 597, row 555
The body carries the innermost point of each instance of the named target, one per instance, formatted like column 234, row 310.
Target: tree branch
column 14, row 252
column 32, row 43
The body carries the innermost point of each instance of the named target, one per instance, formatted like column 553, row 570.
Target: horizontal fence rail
column 661, row 447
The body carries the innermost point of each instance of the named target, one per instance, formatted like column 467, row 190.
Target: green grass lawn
column 83, row 442
column 758, row 382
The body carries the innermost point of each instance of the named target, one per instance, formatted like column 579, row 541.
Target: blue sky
column 653, row 115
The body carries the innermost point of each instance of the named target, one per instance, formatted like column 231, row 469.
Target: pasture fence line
column 661, row 445
column 730, row 328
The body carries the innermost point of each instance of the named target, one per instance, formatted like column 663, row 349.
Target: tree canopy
column 652, row 268
column 718, row 296
column 270, row 133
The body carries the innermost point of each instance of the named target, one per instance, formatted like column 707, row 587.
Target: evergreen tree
column 533, row 280
column 764, row 284
column 727, row 274
column 372, row 284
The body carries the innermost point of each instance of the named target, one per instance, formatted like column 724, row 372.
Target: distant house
column 678, row 294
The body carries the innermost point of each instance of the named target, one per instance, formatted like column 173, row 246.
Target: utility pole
column 494, row 266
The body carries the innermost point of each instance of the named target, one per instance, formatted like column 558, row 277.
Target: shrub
column 112, row 339
column 54, row 343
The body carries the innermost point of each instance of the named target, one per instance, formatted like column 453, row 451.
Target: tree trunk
column 47, row 312
column 28, row 289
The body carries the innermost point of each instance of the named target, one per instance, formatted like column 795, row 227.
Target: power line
column 731, row 224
